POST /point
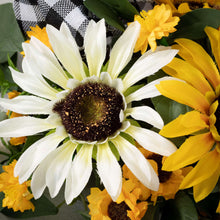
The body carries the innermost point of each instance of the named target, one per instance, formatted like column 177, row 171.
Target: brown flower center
column 90, row 112
column 163, row 175
column 118, row 211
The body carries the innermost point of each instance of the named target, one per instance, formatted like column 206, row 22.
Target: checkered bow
column 41, row 12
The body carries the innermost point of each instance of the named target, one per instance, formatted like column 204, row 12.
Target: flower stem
column 84, row 202
column 61, row 204
column 4, row 153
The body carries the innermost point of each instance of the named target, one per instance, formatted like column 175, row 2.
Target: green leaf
column 152, row 213
column 42, row 207
column 181, row 208
column 11, row 63
column 192, row 24
column 2, row 77
column 2, row 196
column 11, row 36
column 102, row 10
column 123, row 8
column 6, row 81
column 113, row 11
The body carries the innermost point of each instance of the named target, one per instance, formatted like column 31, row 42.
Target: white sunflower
column 84, row 107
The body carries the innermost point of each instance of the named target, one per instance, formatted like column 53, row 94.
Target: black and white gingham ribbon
column 41, row 12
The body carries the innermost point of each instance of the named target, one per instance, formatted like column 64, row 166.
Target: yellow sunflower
column 155, row 24
column 17, row 196
column 127, row 206
column 15, row 140
column 199, row 88
column 180, row 7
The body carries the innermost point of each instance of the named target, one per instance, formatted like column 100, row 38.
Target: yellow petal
column 218, row 208
column 204, row 188
column 190, row 151
column 204, row 169
column 214, row 37
column 181, row 69
column 17, row 140
column 184, row 94
column 184, row 8
column 198, row 57
column 185, row 124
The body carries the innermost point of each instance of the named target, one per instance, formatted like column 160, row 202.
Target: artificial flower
column 87, row 109
column 198, row 87
column 40, row 34
column 169, row 181
column 15, row 140
column 155, row 24
column 126, row 207
column 17, row 196
column 181, row 7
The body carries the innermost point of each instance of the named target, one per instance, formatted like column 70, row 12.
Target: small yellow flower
column 169, row 181
column 126, row 207
column 15, row 140
column 155, row 24
column 17, row 196
column 181, row 7
column 40, row 34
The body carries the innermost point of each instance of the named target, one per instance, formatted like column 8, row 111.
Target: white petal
column 79, row 173
column 33, row 85
column 33, row 156
column 26, row 105
column 137, row 163
column 146, row 114
column 115, row 83
column 59, row 167
column 73, row 83
column 54, row 119
column 109, row 171
column 32, row 72
column 95, row 46
column 50, row 68
column 38, row 179
column 23, row 126
column 45, row 51
column 147, row 91
column 152, row 141
column 66, row 50
column 148, row 64
column 123, row 49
